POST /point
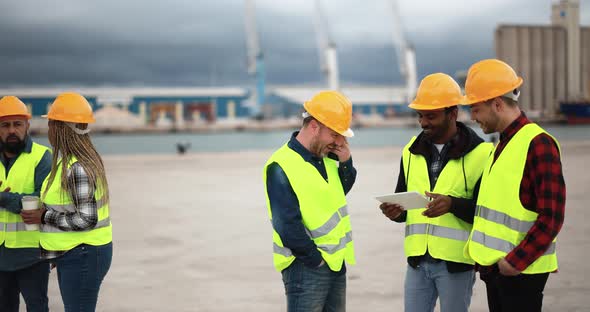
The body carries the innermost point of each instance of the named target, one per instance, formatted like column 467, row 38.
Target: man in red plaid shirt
column 520, row 207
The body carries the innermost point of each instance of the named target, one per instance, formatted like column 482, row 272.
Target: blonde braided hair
column 66, row 143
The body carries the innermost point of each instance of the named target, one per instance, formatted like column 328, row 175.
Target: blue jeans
column 80, row 272
column 31, row 282
column 314, row 289
column 431, row 280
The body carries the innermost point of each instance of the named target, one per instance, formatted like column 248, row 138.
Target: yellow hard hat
column 488, row 79
column 332, row 109
column 13, row 106
column 437, row 91
column 71, row 107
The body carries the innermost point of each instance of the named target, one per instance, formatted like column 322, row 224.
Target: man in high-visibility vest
column 444, row 162
column 306, row 181
column 24, row 166
column 521, row 202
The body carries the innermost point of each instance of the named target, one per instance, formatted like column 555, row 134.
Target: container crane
column 326, row 49
column 406, row 56
column 255, row 57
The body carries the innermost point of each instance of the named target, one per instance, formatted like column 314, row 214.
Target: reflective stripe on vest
column 330, row 249
column 323, row 209
column 501, row 245
column 504, row 219
column 330, row 224
column 100, row 224
column 15, row 227
column 443, row 237
column 53, row 238
column 324, row 230
column 437, row 230
column 20, row 179
column 70, row 207
column 501, row 222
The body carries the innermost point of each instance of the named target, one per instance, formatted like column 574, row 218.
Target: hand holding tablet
column 407, row 200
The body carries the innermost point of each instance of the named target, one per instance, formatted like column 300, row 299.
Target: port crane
column 406, row 56
column 326, row 49
column 255, row 58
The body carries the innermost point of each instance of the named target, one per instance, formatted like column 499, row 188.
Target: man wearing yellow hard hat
column 444, row 162
column 24, row 166
column 306, row 182
column 521, row 201
column 76, row 230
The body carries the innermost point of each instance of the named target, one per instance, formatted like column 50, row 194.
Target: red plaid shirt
column 542, row 190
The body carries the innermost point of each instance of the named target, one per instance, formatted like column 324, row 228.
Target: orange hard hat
column 332, row 109
column 71, row 107
column 13, row 106
column 488, row 79
column 437, row 91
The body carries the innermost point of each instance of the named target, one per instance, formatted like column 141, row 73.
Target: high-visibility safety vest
column 501, row 222
column 323, row 210
column 444, row 237
column 56, row 199
column 20, row 179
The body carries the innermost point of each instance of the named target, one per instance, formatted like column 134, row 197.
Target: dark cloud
column 179, row 42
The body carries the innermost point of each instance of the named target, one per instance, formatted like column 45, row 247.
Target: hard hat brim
column 348, row 133
column 86, row 121
column 26, row 116
column 426, row 107
column 470, row 101
column 466, row 101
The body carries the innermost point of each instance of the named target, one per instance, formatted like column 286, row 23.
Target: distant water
column 165, row 143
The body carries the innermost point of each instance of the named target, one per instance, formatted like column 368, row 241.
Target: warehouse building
column 554, row 60
column 177, row 106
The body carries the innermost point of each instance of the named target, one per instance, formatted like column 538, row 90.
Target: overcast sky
column 202, row 43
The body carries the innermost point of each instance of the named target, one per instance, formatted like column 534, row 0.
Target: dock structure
column 368, row 101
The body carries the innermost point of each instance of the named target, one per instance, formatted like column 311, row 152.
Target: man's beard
column 320, row 150
column 316, row 148
column 13, row 147
column 435, row 133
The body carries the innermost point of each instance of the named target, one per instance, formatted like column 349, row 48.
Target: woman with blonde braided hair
column 76, row 232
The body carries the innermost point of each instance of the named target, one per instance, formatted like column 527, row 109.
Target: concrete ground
column 191, row 233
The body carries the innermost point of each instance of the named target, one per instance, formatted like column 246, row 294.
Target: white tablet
column 408, row 200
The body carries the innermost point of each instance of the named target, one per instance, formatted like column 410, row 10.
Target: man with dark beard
column 444, row 162
column 24, row 167
column 306, row 184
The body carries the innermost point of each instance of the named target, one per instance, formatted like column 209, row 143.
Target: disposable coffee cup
column 31, row 203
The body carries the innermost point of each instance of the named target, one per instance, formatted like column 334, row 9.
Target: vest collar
column 28, row 144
